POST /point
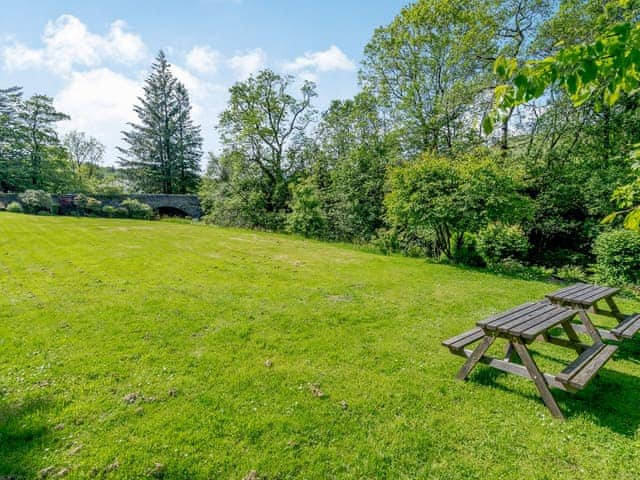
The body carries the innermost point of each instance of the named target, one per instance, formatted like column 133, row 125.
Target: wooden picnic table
column 522, row 326
column 585, row 299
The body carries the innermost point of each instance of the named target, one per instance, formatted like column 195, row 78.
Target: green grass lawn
column 127, row 344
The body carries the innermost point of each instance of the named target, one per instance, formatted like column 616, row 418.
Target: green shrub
column 571, row 273
column 114, row 212
column 121, row 212
column 109, row 211
column 137, row 209
column 15, row 207
column 306, row 217
column 35, row 201
column 618, row 257
column 498, row 242
column 466, row 251
column 447, row 199
column 87, row 204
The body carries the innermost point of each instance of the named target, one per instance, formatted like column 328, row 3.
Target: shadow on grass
column 609, row 399
column 24, row 434
column 629, row 350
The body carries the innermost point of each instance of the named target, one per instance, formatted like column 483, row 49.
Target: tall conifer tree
column 164, row 148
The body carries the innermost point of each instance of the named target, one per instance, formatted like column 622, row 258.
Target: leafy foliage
column 618, row 257
column 263, row 132
column 88, row 205
column 307, row 217
column 498, row 242
column 15, row 207
column 35, row 201
column 137, row 209
column 451, row 198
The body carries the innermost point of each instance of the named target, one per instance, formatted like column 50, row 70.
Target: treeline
column 34, row 157
column 405, row 163
column 420, row 161
column 162, row 155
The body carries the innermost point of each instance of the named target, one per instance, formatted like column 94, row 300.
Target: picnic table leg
column 588, row 325
column 508, row 352
column 475, row 357
column 614, row 308
column 573, row 336
column 538, row 377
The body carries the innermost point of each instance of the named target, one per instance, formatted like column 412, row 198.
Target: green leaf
column 632, row 221
column 487, row 125
column 589, row 72
column 572, row 84
column 609, row 218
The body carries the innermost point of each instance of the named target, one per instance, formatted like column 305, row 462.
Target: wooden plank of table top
column 536, row 330
column 563, row 292
column 499, row 316
column 541, row 311
column 515, row 317
column 602, row 292
column 567, row 290
column 571, row 291
column 542, row 316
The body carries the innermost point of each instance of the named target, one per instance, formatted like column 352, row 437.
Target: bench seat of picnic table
column 586, row 366
column 628, row 327
column 456, row 344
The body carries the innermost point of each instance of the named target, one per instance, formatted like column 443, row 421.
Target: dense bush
column 35, row 201
column 498, row 242
column 137, row 209
column 618, row 257
column 87, row 205
column 15, row 207
column 448, row 199
column 114, row 212
column 306, row 217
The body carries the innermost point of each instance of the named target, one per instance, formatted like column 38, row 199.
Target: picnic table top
column 582, row 294
column 527, row 320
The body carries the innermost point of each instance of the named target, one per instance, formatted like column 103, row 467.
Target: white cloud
column 19, row 57
column 67, row 42
column 203, row 59
column 308, row 76
column 100, row 102
column 248, row 63
column 329, row 60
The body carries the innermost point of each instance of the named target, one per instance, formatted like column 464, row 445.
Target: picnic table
column 585, row 298
column 523, row 325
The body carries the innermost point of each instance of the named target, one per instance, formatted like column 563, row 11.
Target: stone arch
column 171, row 211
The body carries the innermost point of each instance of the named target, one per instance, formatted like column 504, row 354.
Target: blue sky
column 92, row 57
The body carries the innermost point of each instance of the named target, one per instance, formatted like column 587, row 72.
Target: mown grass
column 185, row 317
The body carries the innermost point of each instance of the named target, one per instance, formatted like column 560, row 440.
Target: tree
column 355, row 147
column 188, row 148
column 164, row 149
column 263, row 133
column 85, row 152
column 10, row 139
column 604, row 70
column 437, row 200
column 38, row 119
column 429, row 65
